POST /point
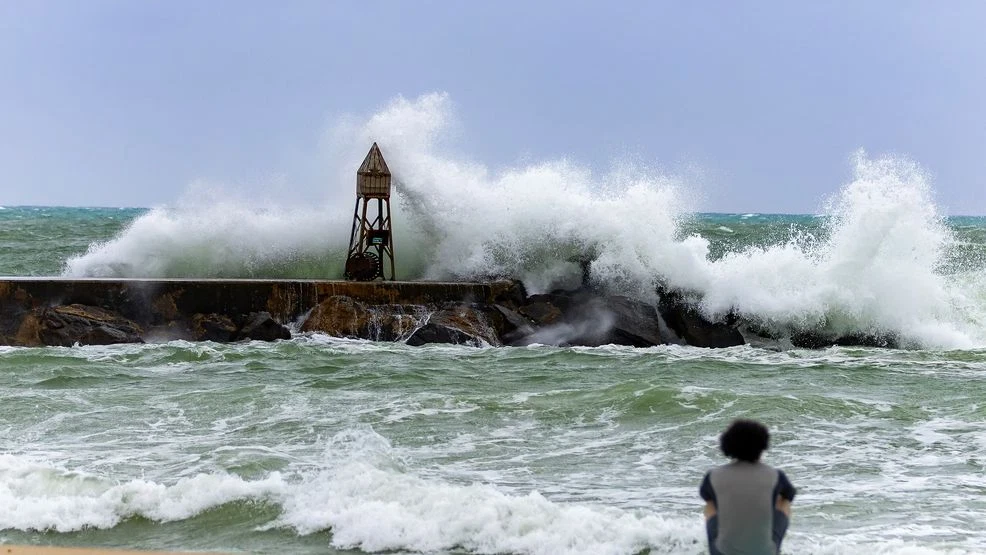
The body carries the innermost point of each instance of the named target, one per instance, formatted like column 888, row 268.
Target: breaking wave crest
column 876, row 263
column 877, row 266
column 366, row 500
column 358, row 493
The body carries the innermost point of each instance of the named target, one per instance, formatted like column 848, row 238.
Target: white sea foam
column 41, row 496
column 370, row 505
column 877, row 271
column 361, row 491
column 376, row 510
column 876, row 267
column 205, row 235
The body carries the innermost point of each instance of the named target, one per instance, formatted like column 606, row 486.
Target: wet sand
column 46, row 550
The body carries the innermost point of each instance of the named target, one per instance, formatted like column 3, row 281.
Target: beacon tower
column 371, row 244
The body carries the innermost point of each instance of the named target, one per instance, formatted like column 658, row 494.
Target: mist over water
column 880, row 260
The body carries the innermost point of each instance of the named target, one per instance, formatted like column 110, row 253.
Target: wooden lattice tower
column 371, row 244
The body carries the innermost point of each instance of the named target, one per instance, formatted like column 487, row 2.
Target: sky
column 761, row 104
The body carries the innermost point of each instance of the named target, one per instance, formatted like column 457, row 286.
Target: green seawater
column 319, row 445
column 37, row 240
column 327, row 445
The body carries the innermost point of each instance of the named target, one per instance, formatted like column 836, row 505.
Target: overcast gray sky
column 124, row 103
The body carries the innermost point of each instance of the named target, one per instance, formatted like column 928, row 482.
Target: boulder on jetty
column 213, row 327
column 342, row 316
column 686, row 320
column 455, row 323
column 585, row 317
column 65, row 326
column 817, row 339
column 261, row 326
column 823, row 335
column 459, row 324
column 579, row 317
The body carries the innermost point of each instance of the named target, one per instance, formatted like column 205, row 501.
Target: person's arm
column 785, row 494
column 709, row 510
column 784, row 506
column 709, row 495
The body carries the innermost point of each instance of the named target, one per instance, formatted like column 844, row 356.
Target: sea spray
column 532, row 222
column 452, row 220
column 878, row 261
column 876, row 269
column 205, row 235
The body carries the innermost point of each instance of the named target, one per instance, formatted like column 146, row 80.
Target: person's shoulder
column 775, row 469
column 770, row 467
column 717, row 469
column 771, row 470
column 784, row 486
column 705, row 489
column 782, row 476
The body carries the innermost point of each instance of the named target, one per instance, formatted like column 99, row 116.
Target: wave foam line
column 43, row 497
column 375, row 510
column 364, row 507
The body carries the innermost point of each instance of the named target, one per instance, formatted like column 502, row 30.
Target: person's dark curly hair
column 744, row 440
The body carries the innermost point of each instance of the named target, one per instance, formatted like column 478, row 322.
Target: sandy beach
column 47, row 550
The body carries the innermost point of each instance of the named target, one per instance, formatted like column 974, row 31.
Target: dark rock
column 636, row 323
column 84, row 325
column 510, row 326
column 393, row 322
column 563, row 299
column 213, row 327
column 819, row 340
column 591, row 321
column 509, row 293
column 542, row 312
column 459, row 325
column 685, row 320
column 261, row 326
column 341, row 316
column 438, row 333
column 28, row 331
column 19, row 324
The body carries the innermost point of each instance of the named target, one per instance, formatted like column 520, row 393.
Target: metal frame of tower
column 371, row 243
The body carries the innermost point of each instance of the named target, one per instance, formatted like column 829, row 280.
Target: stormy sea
column 336, row 446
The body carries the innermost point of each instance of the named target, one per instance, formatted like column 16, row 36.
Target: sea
column 324, row 445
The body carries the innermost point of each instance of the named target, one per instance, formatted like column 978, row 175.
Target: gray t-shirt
column 744, row 494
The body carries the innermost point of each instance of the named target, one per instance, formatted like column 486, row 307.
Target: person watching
column 747, row 502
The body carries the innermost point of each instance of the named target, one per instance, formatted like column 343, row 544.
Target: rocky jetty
column 96, row 312
column 66, row 312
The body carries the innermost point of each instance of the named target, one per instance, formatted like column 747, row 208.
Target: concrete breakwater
column 61, row 311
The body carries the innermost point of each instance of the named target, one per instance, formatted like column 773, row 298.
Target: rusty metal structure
column 371, row 243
